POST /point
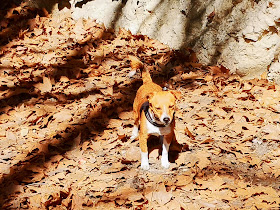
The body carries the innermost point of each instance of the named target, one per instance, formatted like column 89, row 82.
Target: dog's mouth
column 166, row 120
column 163, row 120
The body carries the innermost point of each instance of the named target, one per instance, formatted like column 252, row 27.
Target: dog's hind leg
column 143, row 138
column 135, row 132
column 144, row 152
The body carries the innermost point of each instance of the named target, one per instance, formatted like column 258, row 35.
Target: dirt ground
column 66, row 97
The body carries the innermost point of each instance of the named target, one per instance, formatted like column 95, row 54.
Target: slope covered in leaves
column 66, row 116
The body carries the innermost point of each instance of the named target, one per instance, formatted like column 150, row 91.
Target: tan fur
column 159, row 102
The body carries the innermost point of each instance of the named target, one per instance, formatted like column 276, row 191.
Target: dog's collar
column 145, row 108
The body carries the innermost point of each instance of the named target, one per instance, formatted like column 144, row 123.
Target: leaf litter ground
column 66, row 97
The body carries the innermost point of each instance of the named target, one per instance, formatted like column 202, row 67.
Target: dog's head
column 162, row 105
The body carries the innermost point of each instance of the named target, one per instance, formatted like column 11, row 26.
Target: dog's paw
column 145, row 166
column 145, row 161
column 165, row 164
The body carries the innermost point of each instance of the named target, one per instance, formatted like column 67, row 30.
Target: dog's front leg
column 165, row 148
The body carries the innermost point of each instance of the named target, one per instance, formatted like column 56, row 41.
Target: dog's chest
column 151, row 129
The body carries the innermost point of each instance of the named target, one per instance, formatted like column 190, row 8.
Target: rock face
column 242, row 35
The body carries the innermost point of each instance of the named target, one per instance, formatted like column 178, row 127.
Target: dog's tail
column 137, row 64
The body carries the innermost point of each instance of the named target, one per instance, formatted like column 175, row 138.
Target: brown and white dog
column 153, row 111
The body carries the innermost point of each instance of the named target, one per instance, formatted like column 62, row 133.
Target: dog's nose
column 166, row 120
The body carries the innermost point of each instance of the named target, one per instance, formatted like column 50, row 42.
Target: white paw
column 145, row 161
column 165, row 163
column 145, row 166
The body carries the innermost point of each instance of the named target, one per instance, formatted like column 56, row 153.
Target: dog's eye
column 158, row 108
column 171, row 106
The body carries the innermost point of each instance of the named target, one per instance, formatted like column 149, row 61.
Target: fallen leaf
column 62, row 116
column 204, row 161
column 187, row 131
column 11, row 136
column 44, row 87
column 161, row 196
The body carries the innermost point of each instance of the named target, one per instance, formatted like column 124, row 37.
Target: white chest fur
column 157, row 130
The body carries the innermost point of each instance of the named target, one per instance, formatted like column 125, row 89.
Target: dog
column 153, row 112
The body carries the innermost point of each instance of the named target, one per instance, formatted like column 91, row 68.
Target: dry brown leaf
column 184, row 179
column 77, row 200
column 182, row 159
column 133, row 154
column 161, row 196
column 215, row 70
column 65, row 115
column 204, row 161
column 86, row 39
column 135, row 196
column 213, row 184
column 190, row 75
column 125, row 115
column 44, row 87
column 114, row 123
column 11, row 136
column 187, row 131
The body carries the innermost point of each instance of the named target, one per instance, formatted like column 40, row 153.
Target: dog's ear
column 149, row 96
column 177, row 94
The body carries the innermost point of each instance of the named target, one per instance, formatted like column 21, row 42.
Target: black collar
column 145, row 108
